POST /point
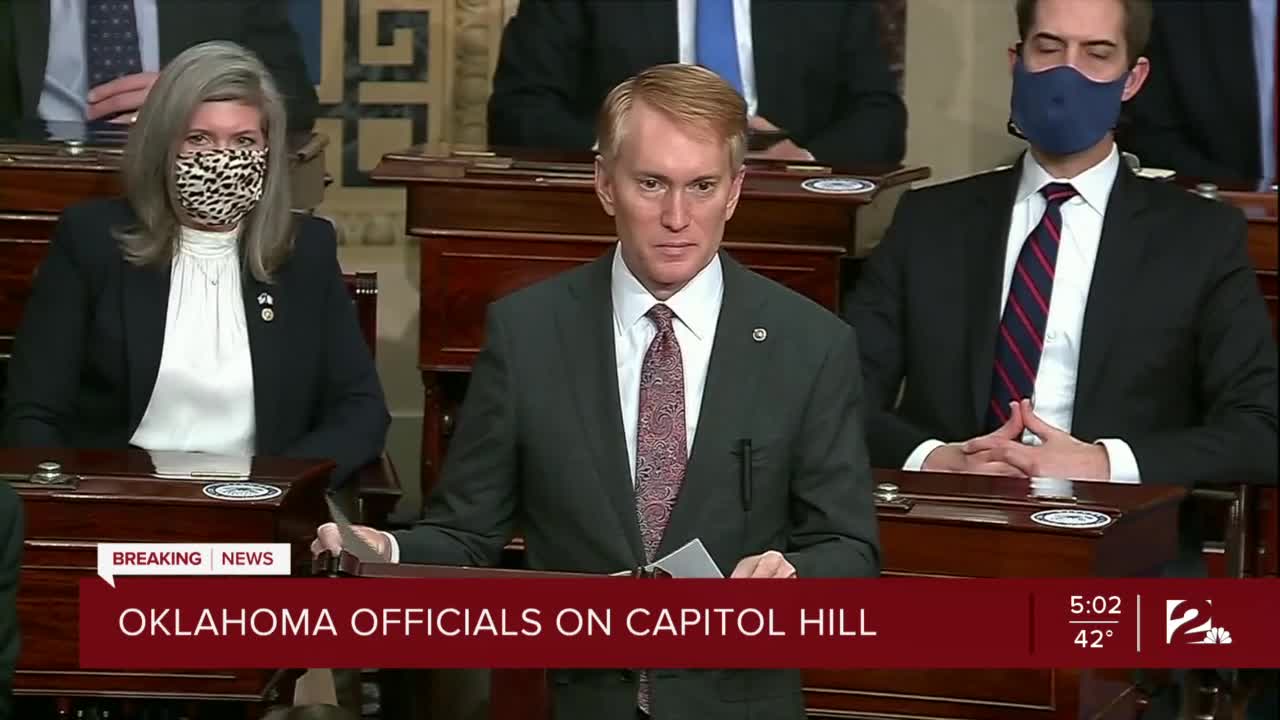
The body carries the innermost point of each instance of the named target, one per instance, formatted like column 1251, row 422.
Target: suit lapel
column 268, row 347
column 146, row 306
column 1120, row 251
column 984, row 249
column 1228, row 27
column 737, row 360
column 586, row 333
column 31, row 35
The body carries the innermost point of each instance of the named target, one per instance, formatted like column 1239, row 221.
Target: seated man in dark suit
column 10, row 559
column 1065, row 318
column 1209, row 108
column 814, row 70
column 86, row 60
column 659, row 394
column 1102, row 326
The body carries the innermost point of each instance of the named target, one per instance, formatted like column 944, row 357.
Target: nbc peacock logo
column 1190, row 622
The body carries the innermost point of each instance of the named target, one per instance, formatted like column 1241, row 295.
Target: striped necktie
column 1020, row 340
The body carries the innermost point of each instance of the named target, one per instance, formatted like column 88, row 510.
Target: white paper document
column 351, row 542
column 200, row 466
column 691, row 561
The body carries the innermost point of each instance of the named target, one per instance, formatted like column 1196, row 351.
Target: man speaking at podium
column 659, row 394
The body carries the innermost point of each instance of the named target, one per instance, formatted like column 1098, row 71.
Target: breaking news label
column 196, row 606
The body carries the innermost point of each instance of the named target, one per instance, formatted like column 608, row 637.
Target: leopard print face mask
column 219, row 187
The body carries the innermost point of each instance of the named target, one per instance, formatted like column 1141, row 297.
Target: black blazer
column 88, row 350
column 820, row 68
column 1198, row 112
column 540, row 446
column 10, row 562
column 262, row 26
column 1176, row 358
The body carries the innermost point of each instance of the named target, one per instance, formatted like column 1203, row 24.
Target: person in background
column 1097, row 325
column 197, row 314
column 1208, row 110
column 585, row 400
column 96, row 60
column 10, row 562
column 813, row 72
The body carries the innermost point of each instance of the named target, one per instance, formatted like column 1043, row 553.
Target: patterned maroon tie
column 661, row 446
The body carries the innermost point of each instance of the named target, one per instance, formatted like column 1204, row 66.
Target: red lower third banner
column 194, row 623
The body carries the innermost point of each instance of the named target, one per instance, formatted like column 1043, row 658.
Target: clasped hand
column 1001, row 452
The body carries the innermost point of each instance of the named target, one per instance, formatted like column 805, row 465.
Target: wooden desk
column 972, row 526
column 119, row 499
column 489, row 222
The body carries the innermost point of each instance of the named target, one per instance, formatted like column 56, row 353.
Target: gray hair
column 211, row 71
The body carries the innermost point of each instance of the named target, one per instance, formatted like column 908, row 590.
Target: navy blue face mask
column 1060, row 110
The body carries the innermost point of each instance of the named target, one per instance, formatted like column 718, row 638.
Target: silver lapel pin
column 759, row 334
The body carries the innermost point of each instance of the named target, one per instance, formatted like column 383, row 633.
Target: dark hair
column 1137, row 24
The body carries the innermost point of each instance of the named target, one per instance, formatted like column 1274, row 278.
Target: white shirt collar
column 1093, row 185
column 696, row 305
column 208, row 243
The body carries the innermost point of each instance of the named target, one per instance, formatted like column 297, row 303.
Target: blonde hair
column 691, row 95
column 208, row 72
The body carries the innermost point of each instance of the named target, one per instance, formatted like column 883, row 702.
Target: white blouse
column 203, row 396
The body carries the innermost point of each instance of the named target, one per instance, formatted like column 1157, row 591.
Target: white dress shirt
column 1055, row 386
column 687, row 30
column 697, row 312
column 66, row 75
column 203, row 396
column 1263, row 14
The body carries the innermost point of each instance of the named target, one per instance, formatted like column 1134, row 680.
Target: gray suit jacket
column 540, row 447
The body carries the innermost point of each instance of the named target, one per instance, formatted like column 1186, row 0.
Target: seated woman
column 198, row 313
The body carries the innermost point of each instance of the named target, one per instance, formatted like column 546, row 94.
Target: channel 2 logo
column 1190, row 622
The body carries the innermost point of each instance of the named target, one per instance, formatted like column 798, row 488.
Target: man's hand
column 1059, row 455
column 768, row 565
column 327, row 538
column 125, row 94
column 785, row 150
column 958, row 458
column 761, row 124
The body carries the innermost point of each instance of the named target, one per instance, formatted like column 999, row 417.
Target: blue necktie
column 1020, row 340
column 717, row 42
column 110, row 40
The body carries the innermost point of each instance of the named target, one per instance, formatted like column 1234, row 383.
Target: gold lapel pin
column 268, row 314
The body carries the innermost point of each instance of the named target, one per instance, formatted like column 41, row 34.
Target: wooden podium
column 116, row 497
column 490, row 221
column 935, row 525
